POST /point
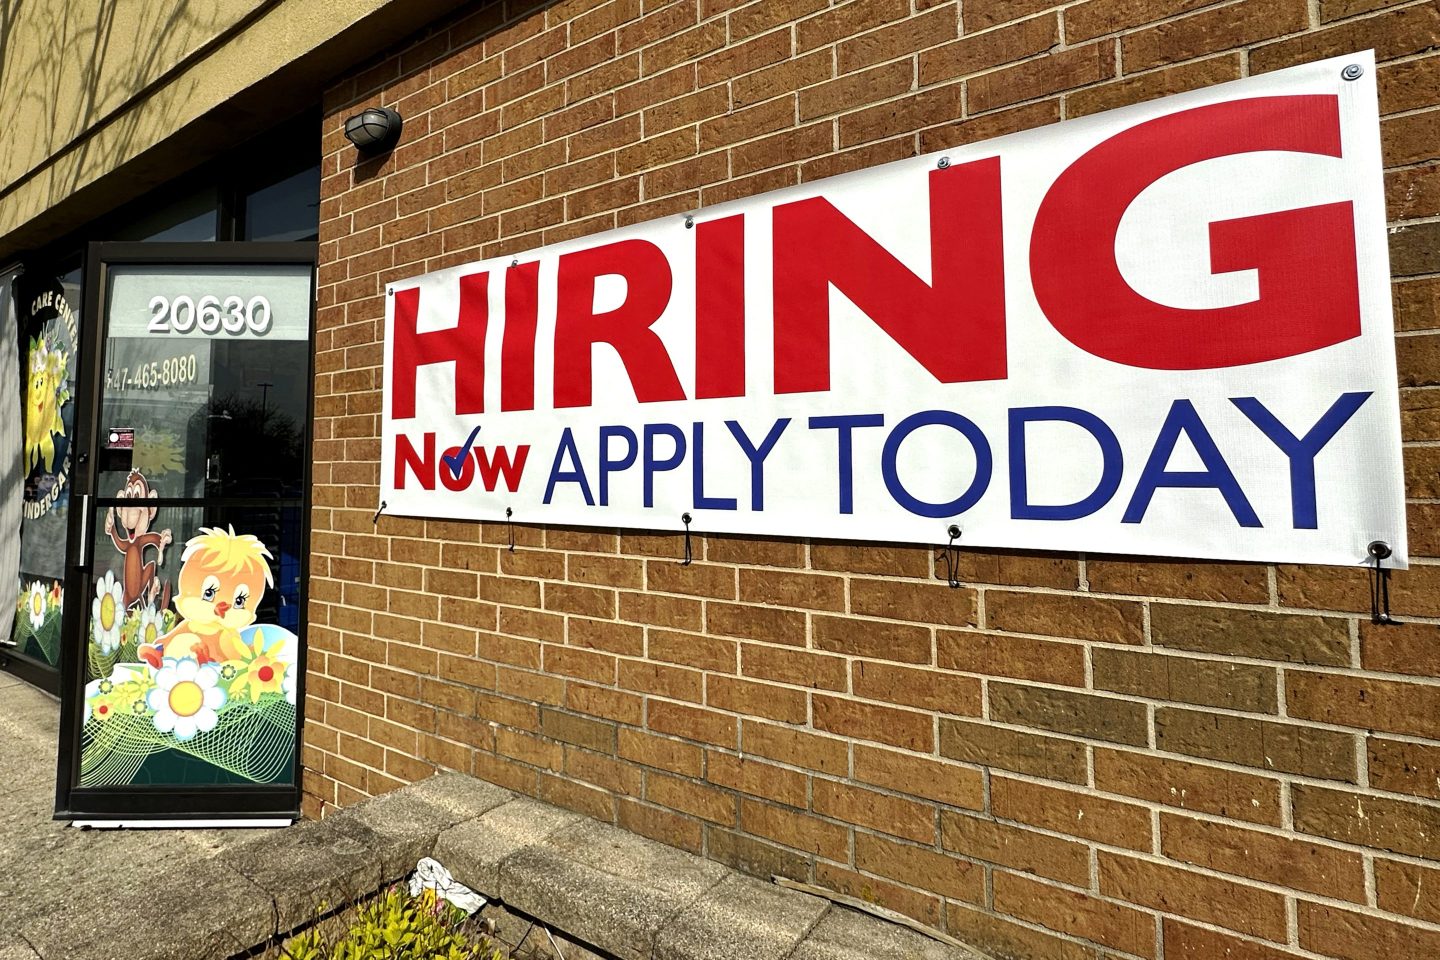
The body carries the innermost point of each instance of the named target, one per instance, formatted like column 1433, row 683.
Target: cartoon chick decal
column 45, row 394
column 222, row 581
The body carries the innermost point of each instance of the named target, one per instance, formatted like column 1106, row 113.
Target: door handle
column 84, row 552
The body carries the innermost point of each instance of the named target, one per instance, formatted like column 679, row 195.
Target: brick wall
column 1068, row 756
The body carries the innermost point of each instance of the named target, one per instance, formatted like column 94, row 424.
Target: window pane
column 192, row 659
column 49, row 312
column 205, row 380
column 288, row 210
column 188, row 219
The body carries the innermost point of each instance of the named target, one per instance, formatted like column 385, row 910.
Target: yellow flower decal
column 263, row 674
column 45, row 394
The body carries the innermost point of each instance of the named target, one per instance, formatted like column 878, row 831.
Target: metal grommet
column 1352, row 71
column 943, row 163
column 689, row 222
column 1378, row 550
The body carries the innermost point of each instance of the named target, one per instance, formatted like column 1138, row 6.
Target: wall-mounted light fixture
column 374, row 129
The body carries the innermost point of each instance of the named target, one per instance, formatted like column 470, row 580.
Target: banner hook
column 689, row 555
column 1380, row 584
column 510, row 527
column 375, row 520
column 952, row 557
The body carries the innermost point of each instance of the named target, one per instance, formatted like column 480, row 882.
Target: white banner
column 1162, row 330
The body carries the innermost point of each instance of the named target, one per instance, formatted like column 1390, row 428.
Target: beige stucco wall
column 96, row 87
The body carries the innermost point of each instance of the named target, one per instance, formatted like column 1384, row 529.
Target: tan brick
column 924, row 907
column 1282, row 747
column 946, row 783
column 692, row 723
column 981, row 14
column 1195, row 580
column 1184, row 942
column 875, row 559
column 796, row 747
column 1015, row 847
column 1022, row 658
column 668, row 827
column 1403, row 767
column 1028, row 753
column 928, row 689
column 1355, row 936
column 1078, row 914
column 1189, row 786
column 1392, row 706
column 983, row 51
column 777, row 588
column 697, row 579
column 1283, row 861
column 1251, row 633
column 1368, row 820
column 836, row 96
column 1093, row 18
column 1009, row 568
column 920, row 866
column 876, row 639
column 868, row 721
column 597, row 735
column 1005, row 938
column 1415, row 591
column 1412, row 648
column 758, row 779
column 1235, row 906
column 916, row 601
column 924, row 109
column 1061, row 615
column 1075, row 67
column 795, row 829
column 798, row 667
column 754, row 857
column 676, row 756
column 896, row 816
column 694, row 650
column 1211, row 31
column 1405, row 31
column 1211, row 683
column 1066, row 711
column 1408, row 889
column 604, row 772
column 696, row 799
column 1153, row 85
column 767, row 624
column 756, row 699
column 1071, row 812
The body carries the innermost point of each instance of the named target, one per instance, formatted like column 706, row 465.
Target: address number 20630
column 233, row 315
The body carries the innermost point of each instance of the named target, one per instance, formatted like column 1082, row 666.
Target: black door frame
column 140, row 802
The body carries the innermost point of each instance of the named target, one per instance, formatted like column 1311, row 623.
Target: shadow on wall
column 88, row 75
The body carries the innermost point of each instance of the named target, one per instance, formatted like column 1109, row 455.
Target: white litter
column 430, row 875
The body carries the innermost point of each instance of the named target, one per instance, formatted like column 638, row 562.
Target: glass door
column 183, row 678
column 47, row 310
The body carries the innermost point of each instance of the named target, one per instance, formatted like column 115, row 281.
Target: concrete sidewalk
column 59, row 886
column 68, row 894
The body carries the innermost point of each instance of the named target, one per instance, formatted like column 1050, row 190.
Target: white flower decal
column 107, row 613
column 186, row 698
column 35, row 605
column 288, row 684
column 152, row 627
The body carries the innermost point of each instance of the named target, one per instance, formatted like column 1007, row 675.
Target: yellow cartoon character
column 221, row 582
column 45, row 394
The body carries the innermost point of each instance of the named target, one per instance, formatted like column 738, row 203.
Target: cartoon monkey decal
column 132, row 537
column 222, row 581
